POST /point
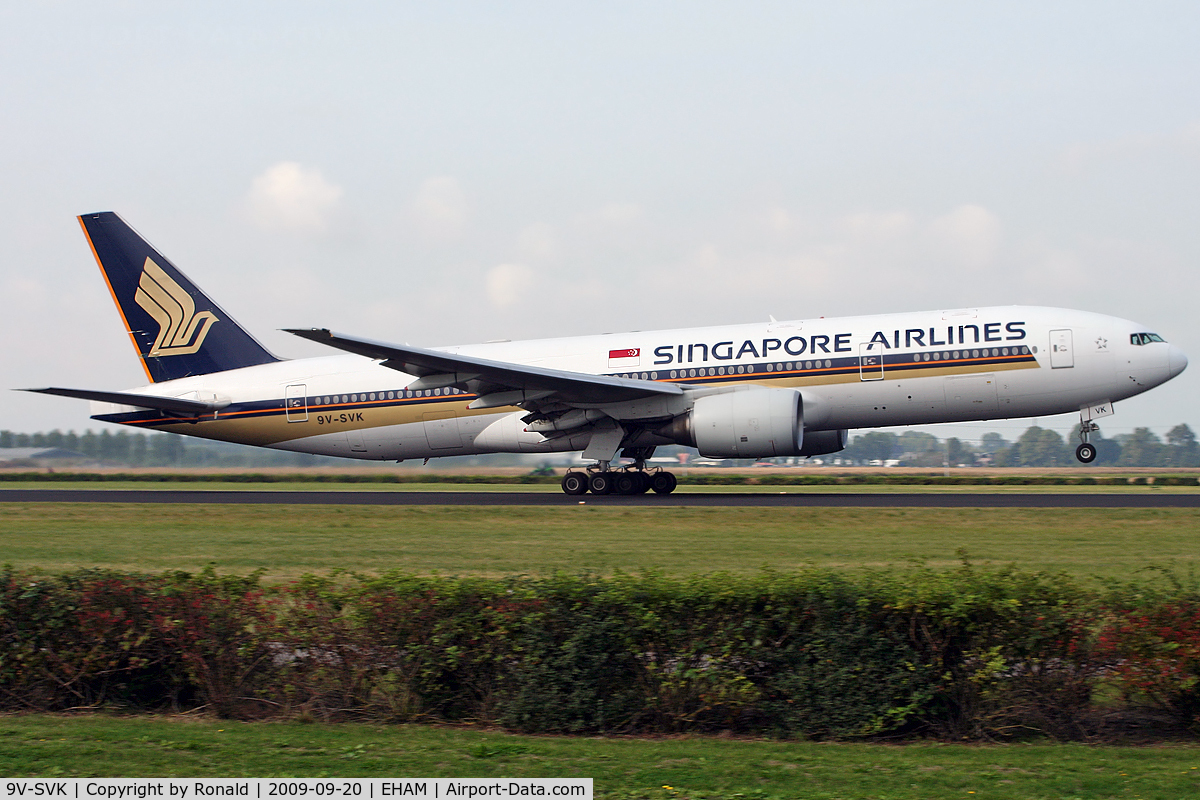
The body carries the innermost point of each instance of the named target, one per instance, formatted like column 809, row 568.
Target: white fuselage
column 852, row 372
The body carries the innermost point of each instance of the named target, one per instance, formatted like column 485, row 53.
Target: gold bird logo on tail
column 180, row 329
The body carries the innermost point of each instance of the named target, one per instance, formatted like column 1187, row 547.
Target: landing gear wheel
column 643, row 483
column 600, row 483
column 625, row 483
column 1086, row 452
column 663, row 482
column 575, row 483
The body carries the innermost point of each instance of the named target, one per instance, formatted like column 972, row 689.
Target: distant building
column 19, row 456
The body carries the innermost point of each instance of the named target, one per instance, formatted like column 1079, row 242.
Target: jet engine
column 752, row 423
column 818, row 443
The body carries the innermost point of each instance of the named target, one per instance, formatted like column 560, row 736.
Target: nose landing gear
column 1086, row 452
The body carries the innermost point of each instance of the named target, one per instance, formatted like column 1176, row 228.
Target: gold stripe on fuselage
column 829, row 376
column 268, row 427
column 264, row 427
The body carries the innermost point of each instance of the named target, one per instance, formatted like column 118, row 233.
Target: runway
column 681, row 499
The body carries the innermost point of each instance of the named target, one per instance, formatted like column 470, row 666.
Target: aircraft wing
column 498, row 383
column 171, row 405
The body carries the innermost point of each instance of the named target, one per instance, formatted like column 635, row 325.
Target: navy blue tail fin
column 177, row 330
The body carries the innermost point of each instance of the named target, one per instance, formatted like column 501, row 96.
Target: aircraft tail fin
column 177, row 330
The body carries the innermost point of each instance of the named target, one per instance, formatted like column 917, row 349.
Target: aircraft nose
column 1177, row 362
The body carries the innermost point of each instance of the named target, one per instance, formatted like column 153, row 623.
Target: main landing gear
column 1086, row 452
column 627, row 480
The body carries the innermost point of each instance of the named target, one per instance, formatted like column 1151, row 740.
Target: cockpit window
column 1145, row 338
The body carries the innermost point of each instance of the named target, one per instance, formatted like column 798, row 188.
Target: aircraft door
column 295, row 401
column 870, row 361
column 1062, row 351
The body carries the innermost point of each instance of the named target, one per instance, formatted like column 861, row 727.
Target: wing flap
column 495, row 377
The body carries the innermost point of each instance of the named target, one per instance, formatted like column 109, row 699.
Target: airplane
column 758, row 390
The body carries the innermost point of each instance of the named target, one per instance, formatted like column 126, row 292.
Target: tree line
column 124, row 448
column 1036, row 447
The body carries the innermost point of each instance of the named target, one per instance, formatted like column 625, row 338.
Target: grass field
column 692, row 767
column 286, row 541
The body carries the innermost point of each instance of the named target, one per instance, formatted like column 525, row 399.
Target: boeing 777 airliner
column 744, row 391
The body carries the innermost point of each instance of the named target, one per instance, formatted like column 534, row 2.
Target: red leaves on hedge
column 1156, row 655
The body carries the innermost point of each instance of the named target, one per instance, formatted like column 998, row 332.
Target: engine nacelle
column 818, row 443
column 752, row 423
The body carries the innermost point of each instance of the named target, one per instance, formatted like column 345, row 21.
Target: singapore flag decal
column 619, row 359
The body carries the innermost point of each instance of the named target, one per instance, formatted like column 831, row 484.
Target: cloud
column 289, row 196
column 507, row 284
column 441, row 206
column 969, row 236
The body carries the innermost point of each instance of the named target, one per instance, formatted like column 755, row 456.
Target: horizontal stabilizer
column 170, row 405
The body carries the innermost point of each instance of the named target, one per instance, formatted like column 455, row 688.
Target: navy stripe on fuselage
column 912, row 365
column 276, row 407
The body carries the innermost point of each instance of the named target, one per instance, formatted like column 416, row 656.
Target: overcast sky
column 442, row 173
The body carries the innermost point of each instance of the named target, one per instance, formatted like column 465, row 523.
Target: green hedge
column 963, row 653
